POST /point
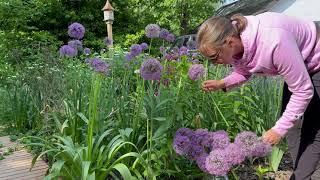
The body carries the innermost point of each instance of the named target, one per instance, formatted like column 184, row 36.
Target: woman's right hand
column 212, row 85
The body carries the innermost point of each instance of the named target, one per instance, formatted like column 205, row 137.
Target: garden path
column 16, row 166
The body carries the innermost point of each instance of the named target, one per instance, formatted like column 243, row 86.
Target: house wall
column 307, row 9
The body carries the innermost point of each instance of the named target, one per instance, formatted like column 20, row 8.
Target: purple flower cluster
column 196, row 71
column 213, row 152
column 86, row 51
column 154, row 31
column 98, row 65
column 76, row 30
column 67, row 51
column 151, row 69
column 135, row 50
column 76, row 44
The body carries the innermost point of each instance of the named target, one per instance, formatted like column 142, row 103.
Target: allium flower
column 170, row 38
column 235, row 155
column 68, row 51
column 217, row 164
column 129, row 57
column 86, row 51
column 152, row 31
column 261, row 149
column 76, row 30
column 196, row 72
column 185, row 132
column 151, row 69
column 107, row 41
column 162, row 50
column 201, row 137
column 195, row 150
column 219, row 140
column 76, row 44
column 135, row 50
column 183, row 51
column 246, row 140
column 164, row 33
column 201, row 162
column 99, row 65
column 181, row 144
column 144, row 46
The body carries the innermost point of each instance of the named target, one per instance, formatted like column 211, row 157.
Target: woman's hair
column 214, row 31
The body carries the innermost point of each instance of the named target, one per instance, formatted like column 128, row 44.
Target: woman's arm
column 236, row 78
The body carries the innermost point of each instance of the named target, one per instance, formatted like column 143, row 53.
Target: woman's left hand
column 271, row 136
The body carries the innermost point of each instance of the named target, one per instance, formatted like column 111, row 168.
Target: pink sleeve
column 288, row 61
column 236, row 78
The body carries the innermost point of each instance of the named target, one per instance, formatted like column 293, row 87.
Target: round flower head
column 68, row 51
column 235, row 155
column 261, row 149
column 76, row 44
column 217, row 164
column 181, row 144
column 246, row 140
column 219, row 140
column 201, row 162
column 129, row 57
column 152, row 31
column 170, row 38
column 107, row 41
column 144, row 46
column 196, row 72
column 76, row 30
column 201, row 137
column 135, row 50
column 99, row 65
column 183, row 51
column 151, row 69
column 164, row 33
column 195, row 150
column 86, row 51
column 185, row 132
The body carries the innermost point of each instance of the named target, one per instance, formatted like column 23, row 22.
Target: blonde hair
column 214, row 31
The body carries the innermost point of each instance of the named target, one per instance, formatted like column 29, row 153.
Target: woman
column 273, row 44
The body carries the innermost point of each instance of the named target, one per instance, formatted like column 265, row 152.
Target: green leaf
column 83, row 117
column 123, row 170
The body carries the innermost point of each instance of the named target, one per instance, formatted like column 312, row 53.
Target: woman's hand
column 272, row 137
column 212, row 85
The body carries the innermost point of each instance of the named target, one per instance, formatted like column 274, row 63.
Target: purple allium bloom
column 86, row 51
column 99, row 65
column 201, row 162
column 219, row 140
column 195, row 150
column 168, row 57
column 76, row 44
column 192, row 44
column 235, row 155
column 151, row 69
column 164, row 33
column 68, row 51
column 196, row 72
column 195, row 61
column 144, row 46
column 246, row 140
column 185, row 132
column 76, row 30
column 183, row 51
column 135, row 50
column 261, row 149
column 129, row 57
column 201, row 137
column 152, row 31
column 181, row 144
column 217, row 164
column 107, row 41
column 170, row 38
column 162, row 50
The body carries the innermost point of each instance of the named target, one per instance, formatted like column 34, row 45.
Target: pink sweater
column 275, row 44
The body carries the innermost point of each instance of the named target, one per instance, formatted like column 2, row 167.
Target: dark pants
column 304, row 138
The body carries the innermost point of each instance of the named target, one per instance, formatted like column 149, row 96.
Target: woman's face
column 230, row 51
